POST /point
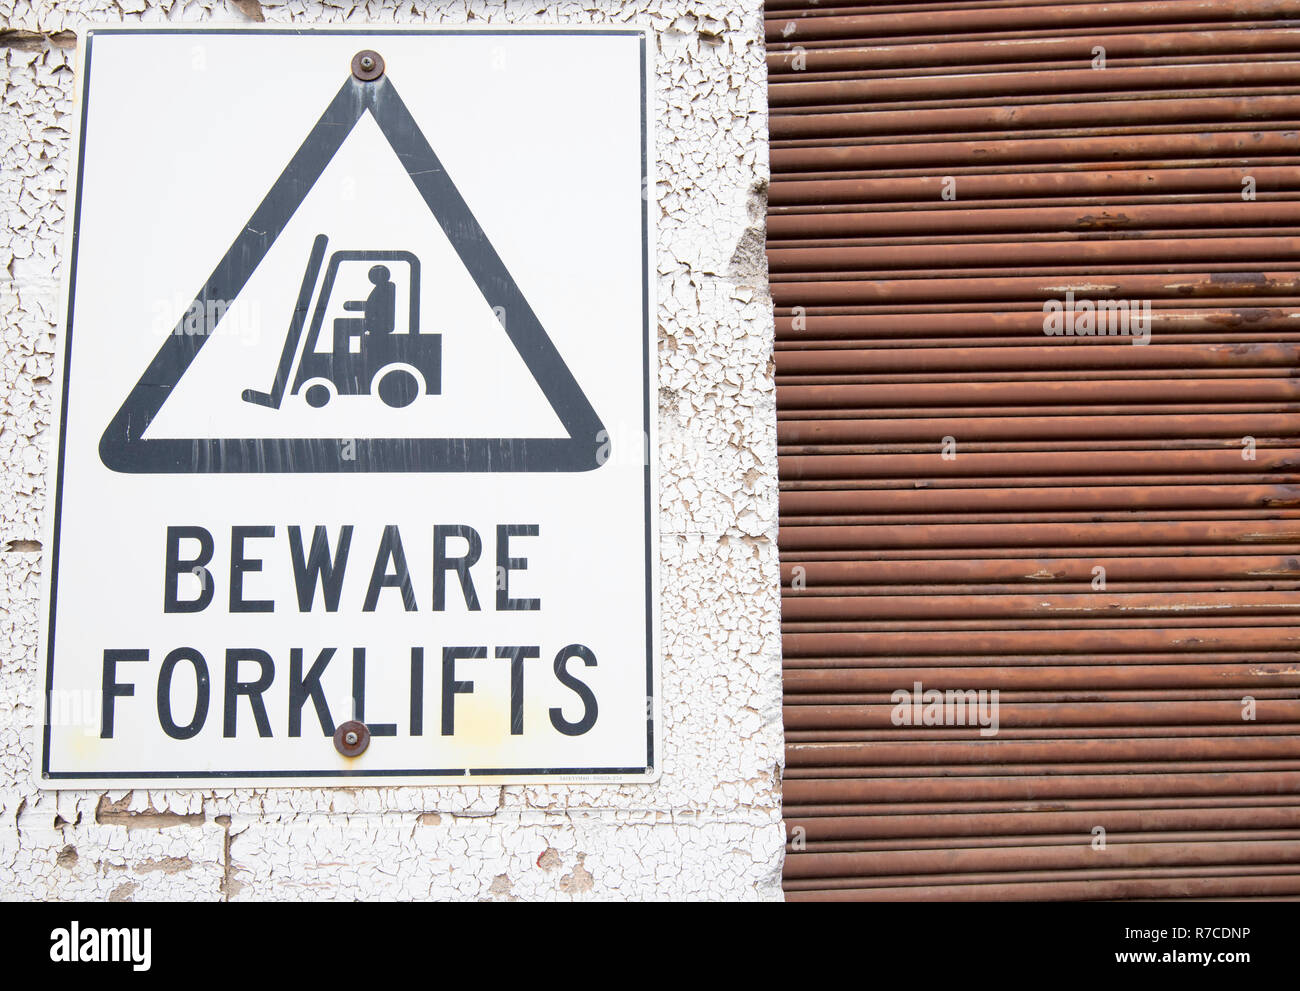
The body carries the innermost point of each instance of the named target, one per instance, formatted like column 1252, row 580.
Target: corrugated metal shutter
column 904, row 317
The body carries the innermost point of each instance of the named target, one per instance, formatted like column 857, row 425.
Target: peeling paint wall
column 710, row 828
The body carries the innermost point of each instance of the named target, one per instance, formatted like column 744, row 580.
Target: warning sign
column 375, row 501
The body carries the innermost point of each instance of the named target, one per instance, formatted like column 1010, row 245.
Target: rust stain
column 1104, row 221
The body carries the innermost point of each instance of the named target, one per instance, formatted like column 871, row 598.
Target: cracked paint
column 711, row 826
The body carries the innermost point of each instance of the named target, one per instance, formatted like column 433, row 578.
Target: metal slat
column 1064, row 17
column 962, row 56
column 1063, row 887
column 1249, row 145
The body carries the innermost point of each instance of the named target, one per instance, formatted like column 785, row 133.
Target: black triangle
column 123, row 448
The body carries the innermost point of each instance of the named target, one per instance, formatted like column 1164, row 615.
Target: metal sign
column 376, row 502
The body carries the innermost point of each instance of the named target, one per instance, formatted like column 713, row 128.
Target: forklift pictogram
column 393, row 368
column 368, row 354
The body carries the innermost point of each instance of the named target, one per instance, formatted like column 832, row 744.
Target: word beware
column 317, row 567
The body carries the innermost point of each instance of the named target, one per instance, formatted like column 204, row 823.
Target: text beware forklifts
column 318, row 572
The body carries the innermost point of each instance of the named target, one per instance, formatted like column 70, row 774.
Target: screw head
column 352, row 738
column 367, row 65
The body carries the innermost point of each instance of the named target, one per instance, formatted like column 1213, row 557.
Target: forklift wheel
column 398, row 388
column 317, row 395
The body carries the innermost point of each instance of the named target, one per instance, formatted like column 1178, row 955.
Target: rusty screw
column 352, row 738
column 367, row 65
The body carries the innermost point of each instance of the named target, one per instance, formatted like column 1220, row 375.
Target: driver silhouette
column 379, row 311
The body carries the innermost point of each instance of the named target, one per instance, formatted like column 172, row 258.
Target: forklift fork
column 273, row 398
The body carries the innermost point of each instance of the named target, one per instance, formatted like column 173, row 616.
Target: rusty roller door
column 979, row 495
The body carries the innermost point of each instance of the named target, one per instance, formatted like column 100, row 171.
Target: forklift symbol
column 368, row 354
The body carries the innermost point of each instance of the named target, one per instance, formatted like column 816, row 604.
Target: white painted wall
column 710, row 828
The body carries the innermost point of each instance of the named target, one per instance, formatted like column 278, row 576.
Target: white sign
column 354, row 463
